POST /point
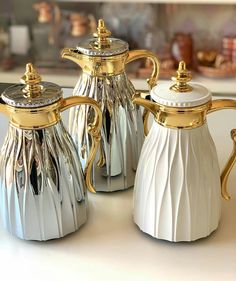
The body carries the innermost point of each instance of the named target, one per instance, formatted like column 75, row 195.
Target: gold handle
column 222, row 104
column 139, row 54
column 143, row 94
column 150, row 106
column 145, row 121
column 228, row 167
column 94, row 130
column 215, row 106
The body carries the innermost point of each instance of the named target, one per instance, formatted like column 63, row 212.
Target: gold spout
column 149, row 105
column 31, row 79
column 73, row 55
column 102, row 35
column 183, row 76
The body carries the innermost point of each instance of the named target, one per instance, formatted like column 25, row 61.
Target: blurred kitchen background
column 204, row 35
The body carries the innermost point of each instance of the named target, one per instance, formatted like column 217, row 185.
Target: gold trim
column 182, row 78
column 228, row 167
column 145, row 121
column 34, row 118
column 174, row 117
column 102, row 34
column 182, row 118
column 139, row 54
column 97, row 66
column 31, row 79
column 94, row 130
column 222, row 104
column 102, row 159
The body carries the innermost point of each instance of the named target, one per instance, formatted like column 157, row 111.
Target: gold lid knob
column 102, row 35
column 31, row 79
column 183, row 76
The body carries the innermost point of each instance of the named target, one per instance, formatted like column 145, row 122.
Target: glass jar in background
column 46, row 34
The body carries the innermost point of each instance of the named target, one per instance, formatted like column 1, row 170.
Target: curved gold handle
column 139, row 54
column 146, row 114
column 228, row 167
column 222, row 104
column 215, row 106
column 143, row 94
column 149, row 106
column 94, row 130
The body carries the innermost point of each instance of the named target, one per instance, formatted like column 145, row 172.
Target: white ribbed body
column 177, row 184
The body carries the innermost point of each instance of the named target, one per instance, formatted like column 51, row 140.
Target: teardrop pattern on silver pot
column 42, row 188
column 122, row 130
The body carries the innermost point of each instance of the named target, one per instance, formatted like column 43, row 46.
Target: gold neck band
column 182, row 118
column 34, row 118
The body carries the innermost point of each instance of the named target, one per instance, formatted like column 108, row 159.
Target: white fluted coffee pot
column 177, row 186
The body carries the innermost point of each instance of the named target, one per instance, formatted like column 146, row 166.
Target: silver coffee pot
column 103, row 61
column 42, row 185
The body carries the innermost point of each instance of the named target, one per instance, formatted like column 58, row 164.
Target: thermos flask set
column 45, row 171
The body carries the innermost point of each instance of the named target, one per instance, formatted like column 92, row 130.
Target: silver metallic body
column 122, row 130
column 42, row 188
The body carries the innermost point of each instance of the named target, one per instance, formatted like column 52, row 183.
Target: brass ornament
column 182, row 78
column 31, row 79
column 102, row 35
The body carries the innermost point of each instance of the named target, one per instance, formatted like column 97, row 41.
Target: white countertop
column 109, row 247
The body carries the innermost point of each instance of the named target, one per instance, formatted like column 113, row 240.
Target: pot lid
column 182, row 93
column 32, row 92
column 102, row 44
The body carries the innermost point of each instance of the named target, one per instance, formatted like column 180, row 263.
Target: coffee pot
column 178, row 184
column 103, row 61
column 42, row 186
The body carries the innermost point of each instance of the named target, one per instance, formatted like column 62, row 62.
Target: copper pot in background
column 182, row 48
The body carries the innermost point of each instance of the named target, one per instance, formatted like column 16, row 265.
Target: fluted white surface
column 177, row 185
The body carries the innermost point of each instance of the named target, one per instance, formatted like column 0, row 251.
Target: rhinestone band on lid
column 119, row 48
column 13, row 96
